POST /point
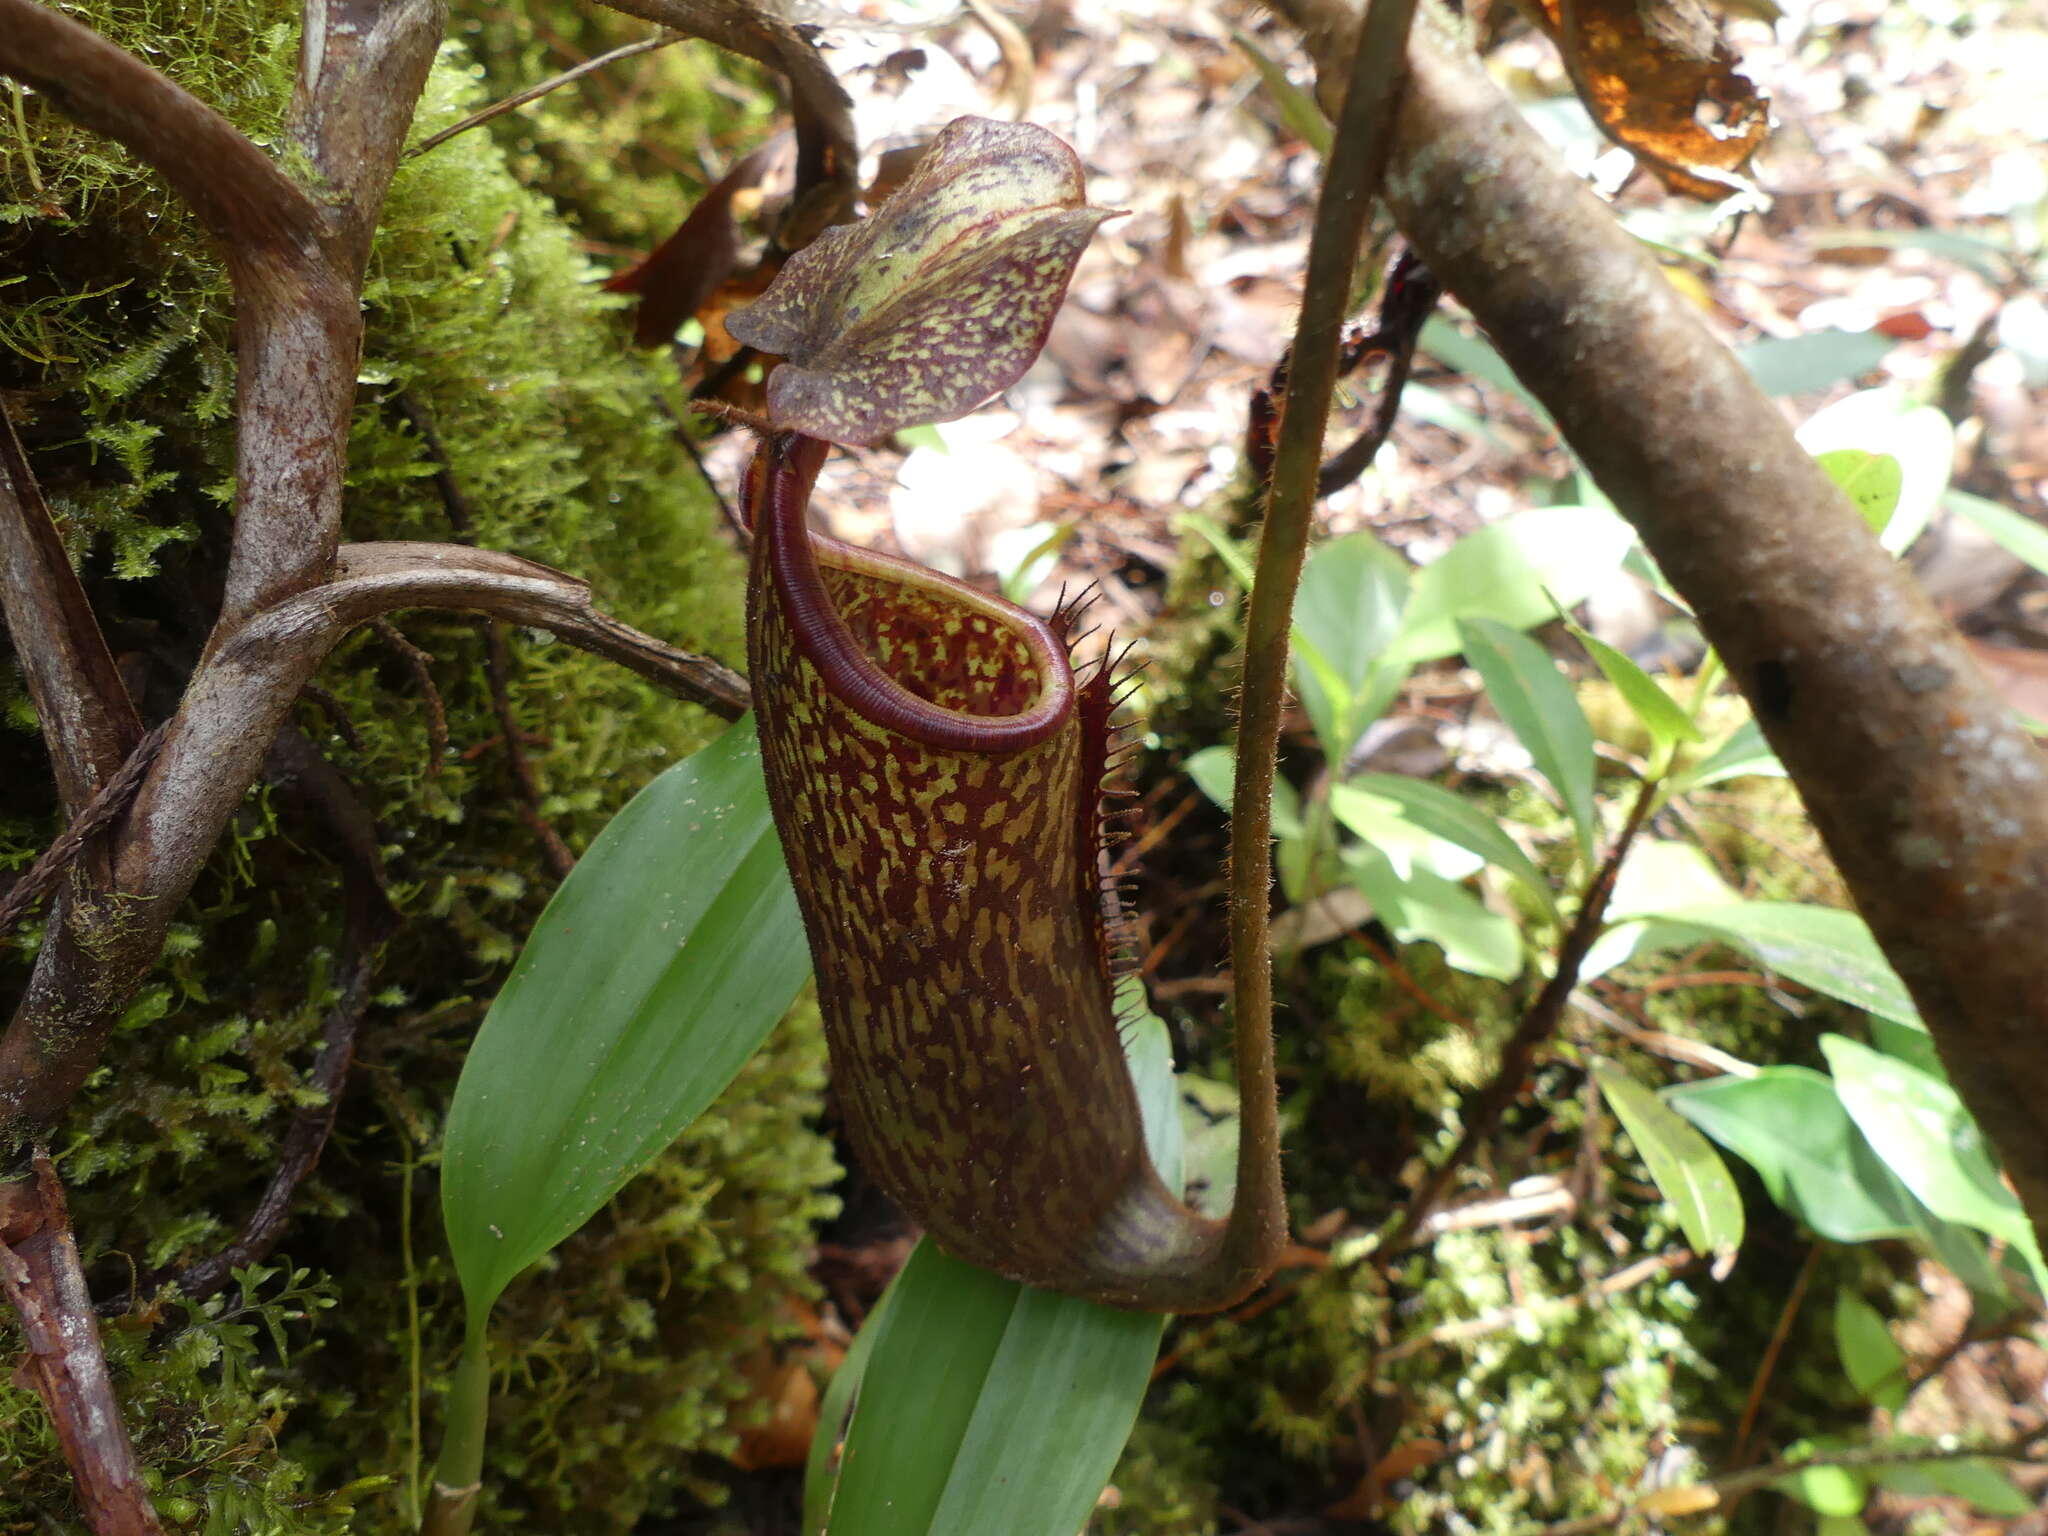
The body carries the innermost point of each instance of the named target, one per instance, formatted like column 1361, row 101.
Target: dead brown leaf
column 1660, row 82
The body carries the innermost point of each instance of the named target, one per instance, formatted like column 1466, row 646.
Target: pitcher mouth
column 796, row 559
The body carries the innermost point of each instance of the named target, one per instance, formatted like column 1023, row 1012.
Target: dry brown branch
column 1927, row 793
column 828, row 158
column 40, row 1276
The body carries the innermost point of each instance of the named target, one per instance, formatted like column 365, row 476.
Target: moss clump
column 282, row 1409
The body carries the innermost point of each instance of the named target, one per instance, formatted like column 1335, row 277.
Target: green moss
column 280, row 1410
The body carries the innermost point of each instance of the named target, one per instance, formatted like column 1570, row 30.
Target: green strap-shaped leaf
column 1439, row 812
column 988, row 1406
column 1871, row 1358
column 1687, row 1169
column 660, row 966
column 1537, row 702
column 1826, row 948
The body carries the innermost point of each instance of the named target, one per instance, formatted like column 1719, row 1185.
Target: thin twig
column 113, row 798
column 421, row 662
column 534, row 93
column 498, row 672
column 1768, row 1366
column 1484, row 1110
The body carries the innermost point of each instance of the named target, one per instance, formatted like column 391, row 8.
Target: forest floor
column 1902, row 232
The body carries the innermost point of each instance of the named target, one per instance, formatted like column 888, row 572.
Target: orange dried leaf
column 1660, row 82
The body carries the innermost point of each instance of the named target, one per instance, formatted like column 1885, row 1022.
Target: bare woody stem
column 1927, row 792
column 1258, row 1219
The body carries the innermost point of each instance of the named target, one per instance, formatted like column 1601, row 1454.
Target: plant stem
column 458, row 1475
column 1258, row 1217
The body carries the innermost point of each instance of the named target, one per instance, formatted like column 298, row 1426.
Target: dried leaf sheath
column 935, row 772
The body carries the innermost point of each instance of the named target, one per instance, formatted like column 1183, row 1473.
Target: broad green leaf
column 1872, row 1359
column 1871, row 480
column 1909, row 1042
column 1442, row 814
column 1982, row 1481
column 1510, row 571
column 1833, row 1492
column 2018, row 536
column 1789, row 1125
column 1888, row 421
column 1406, row 845
column 990, row 1406
column 1746, row 752
column 1824, row 948
column 1919, row 1127
column 1659, row 713
column 1218, row 538
column 1804, row 365
column 1658, row 873
column 660, row 966
column 1537, row 702
column 1214, row 771
column 1686, row 1167
column 1423, row 905
column 1348, row 610
column 1475, row 357
column 938, row 300
column 1298, row 110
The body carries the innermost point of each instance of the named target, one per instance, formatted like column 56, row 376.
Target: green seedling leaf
column 1986, row 1484
column 660, row 966
column 1304, row 119
column 1805, row 365
column 1920, row 1128
column 1871, row 480
column 1510, row 571
column 1659, row 713
column 1873, row 1361
column 990, row 1406
column 1833, row 1492
column 1347, row 614
column 1746, row 752
column 1824, row 948
column 1423, row 905
column 1536, row 701
column 1475, row 357
column 939, row 300
column 1687, row 1169
column 1442, row 814
column 1789, row 1125
column 1214, row 770
column 1886, row 422
column 2018, row 536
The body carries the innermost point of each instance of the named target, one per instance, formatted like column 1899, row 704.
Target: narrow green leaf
column 1804, row 365
column 1789, row 1125
column 1214, row 771
column 1304, row 119
column 660, row 966
column 1871, row 1358
column 1423, row 905
column 2018, row 536
column 1348, row 611
column 1745, row 752
column 1687, row 1169
column 1825, row 948
column 1510, row 571
column 1982, row 1481
column 1659, row 713
column 1920, row 1128
column 1836, row 1493
column 1537, row 702
column 1442, row 814
column 1474, row 356
column 1871, row 480
column 990, row 1406
column 821, row 1468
